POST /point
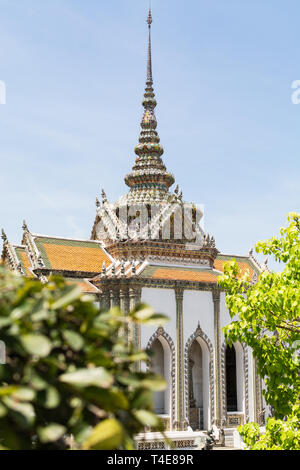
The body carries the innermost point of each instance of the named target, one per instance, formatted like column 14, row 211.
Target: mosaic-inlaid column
column 180, row 421
column 217, row 357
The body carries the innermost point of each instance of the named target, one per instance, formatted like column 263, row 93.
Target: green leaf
column 22, row 413
column 154, row 383
column 51, row 433
column 69, row 294
column 155, row 319
column 97, row 376
column 8, row 390
column 24, row 394
column 73, row 339
column 107, row 435
column 142, row 399
column 36, row 344
column 144, row 314
column 146, row 418
column 3, row 411
column 110, row 400
column 148, row 380
column 49, row 398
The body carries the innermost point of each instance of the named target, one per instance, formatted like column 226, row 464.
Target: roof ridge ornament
column 3, row 236
column 104, row 197
column 104, row 272
column 25, row 226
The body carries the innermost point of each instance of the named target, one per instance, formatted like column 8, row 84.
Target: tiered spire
column 149, row 181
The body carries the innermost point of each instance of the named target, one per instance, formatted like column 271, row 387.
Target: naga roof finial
column 3, row 236
column 104, row 197
column 25, row 226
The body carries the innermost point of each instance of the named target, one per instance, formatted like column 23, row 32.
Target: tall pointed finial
column 149, row 66
column 143, row 186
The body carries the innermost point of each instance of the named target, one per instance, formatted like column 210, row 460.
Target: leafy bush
column 71, row 379
column 279, row 435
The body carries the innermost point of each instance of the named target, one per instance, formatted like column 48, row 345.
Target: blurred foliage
column 279, row 434
column 268, row 320
column 71, row 379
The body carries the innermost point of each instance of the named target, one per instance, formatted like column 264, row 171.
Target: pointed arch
column 202, row 339
column 167, row 343
column 241, row 351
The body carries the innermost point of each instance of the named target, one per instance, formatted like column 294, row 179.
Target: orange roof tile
column 243, row 266
column 185, row 275
column 72, row 255
column 26, row 265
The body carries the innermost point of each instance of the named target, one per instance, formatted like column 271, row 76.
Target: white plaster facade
column 198, row 313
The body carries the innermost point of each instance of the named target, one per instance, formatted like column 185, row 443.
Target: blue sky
column 75, row 73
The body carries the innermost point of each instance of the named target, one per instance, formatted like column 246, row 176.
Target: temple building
column 150, row 247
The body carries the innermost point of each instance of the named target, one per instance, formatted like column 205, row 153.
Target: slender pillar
column 135, row 299
column 122, row 302
column 137, row 332
column 180, row 421
column 111, row 299
column 106, row 300
column 257, row 394
column 217, row 357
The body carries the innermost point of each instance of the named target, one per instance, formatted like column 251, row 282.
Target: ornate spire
column 149, row 181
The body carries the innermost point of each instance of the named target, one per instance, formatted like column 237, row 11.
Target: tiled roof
column 185, row 275
column 244, row 263
column 71, row 255
column 84, row 284
column 181, row 274
column 25, row 262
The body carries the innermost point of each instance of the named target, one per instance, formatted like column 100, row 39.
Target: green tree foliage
column 267, row 318
column 71, row 378
column 279, row 435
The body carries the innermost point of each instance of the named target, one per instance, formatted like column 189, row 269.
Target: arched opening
column 199, row 407
column 161, row 365
column 158, row 367
column 231, row 379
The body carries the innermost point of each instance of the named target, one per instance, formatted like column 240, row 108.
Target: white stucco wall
column 198, row 307
column 225, row 318
column 163, row 301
